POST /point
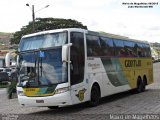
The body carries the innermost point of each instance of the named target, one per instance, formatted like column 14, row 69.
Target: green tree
column 42, row 24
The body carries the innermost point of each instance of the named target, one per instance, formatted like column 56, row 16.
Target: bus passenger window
column 93, row 46
column 120, row 51
column 140, row 50
column 146, row 50
column 128, row 46
column 107, row 46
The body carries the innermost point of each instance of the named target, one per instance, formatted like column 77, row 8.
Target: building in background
column 155, row 51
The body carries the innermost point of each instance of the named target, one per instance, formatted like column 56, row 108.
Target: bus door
column 77, row 68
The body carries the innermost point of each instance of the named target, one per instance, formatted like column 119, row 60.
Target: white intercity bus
column 70, row 66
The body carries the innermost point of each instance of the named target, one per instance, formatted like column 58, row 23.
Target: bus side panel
column 112, row 80
column 94, row 72
column 122, row 73
column 135, row 67
column 118, row 74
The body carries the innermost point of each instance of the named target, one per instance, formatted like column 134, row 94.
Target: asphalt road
column 125, row 105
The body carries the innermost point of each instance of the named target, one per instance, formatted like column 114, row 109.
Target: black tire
column 144, row 85
column 53, row 107
column 139, row 85
column 95, row 96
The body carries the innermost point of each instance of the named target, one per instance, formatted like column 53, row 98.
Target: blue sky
column 99, row 15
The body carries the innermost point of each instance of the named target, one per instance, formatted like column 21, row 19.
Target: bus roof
column 121, row 37
column 54, row 31
column 114, row 36
column 104, row 34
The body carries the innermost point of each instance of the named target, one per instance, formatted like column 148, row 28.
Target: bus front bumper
column 60, row 100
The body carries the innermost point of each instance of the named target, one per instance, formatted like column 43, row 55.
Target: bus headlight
column 20, row 93
column 62, row 90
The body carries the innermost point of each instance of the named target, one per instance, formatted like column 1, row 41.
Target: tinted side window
column 129, row 48
column 107, row 46
column 147, row 51
column 135, row 49
column 119, row 48
column 140, row 50
column 93, row 46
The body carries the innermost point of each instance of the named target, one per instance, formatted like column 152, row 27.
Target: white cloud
column 99, row 15
column 135, row 25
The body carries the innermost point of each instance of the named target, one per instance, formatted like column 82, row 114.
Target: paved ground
column 121, row 106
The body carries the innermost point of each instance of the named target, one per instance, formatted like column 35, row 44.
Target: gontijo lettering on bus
column 132, row 63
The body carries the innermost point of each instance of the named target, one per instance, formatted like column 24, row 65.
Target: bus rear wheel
column 144, row 84
column 140, row 85
column 95, row 96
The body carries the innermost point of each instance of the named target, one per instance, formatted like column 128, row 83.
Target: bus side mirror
column 65, row 52
column 8, row 59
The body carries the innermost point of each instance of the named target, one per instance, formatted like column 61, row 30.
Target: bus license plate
column 39, row 101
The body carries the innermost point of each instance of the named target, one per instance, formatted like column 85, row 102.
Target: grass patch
column 4, row 33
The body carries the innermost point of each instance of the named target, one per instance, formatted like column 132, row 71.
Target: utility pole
column 33, row 15
column 33, row 19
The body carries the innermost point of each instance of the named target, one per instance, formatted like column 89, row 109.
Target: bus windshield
column 43, row 41
column 39, row 70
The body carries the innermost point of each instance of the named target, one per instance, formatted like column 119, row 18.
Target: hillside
column 5, row 39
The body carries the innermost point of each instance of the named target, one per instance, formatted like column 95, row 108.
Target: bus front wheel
column 95, row 96
column 53, row 107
